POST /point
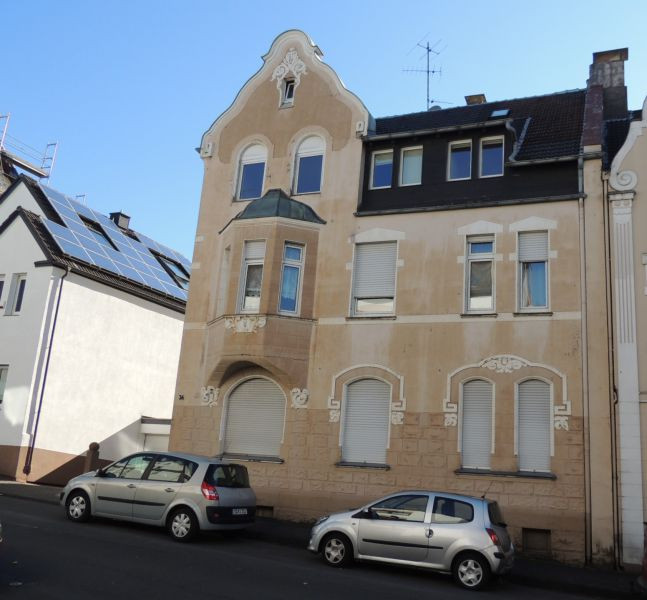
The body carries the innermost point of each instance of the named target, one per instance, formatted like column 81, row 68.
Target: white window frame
column 246, row 262
column 486, row 140
column 484, row 257
column 519, row 275
column 450, row 146
column 352, row 307
column 401, row 169
column 460, row 415
column 293, row 263
column 249, row 161
column 516, row 416
column 298, row 155
column 285, row 101
column 4, row 375
column 12, row 299
column 370, row 181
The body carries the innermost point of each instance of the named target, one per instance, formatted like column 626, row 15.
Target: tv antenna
column 429, row 50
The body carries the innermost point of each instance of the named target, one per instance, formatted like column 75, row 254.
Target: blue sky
column 127, row 88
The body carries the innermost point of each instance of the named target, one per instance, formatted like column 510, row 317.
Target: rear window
column 448, row 510
column 231, row 476
column 495, row 514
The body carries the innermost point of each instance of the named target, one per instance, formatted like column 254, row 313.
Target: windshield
column 496, row 516
column 232, row 476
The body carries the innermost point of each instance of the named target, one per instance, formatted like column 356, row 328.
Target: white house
column 91, row 316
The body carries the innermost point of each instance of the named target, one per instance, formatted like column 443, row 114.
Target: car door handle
column 429, row 532
column 169, row 490
column 131, row 485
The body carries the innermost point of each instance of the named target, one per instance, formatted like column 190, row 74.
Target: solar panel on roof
column 86, row 242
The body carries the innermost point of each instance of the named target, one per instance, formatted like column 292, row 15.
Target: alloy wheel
column 181, row 525
column 334, row 551
column 470, row 572
column 77, row 507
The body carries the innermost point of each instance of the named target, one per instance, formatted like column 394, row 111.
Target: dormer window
column 175, row 270
column 98, row 233
column 288, row 92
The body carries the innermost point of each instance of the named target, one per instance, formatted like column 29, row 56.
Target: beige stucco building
column 418, row 301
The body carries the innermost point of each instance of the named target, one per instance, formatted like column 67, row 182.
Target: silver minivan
column 450, row 533
column 184, row 492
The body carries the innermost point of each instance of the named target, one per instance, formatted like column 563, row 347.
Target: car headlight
column 320, row 520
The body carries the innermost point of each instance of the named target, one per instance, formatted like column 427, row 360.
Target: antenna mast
column 429, row 70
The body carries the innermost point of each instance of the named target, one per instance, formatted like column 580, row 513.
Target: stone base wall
column 423, row 454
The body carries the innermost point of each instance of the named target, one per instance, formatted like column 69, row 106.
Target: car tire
column 471, row 571
column 182, row 524
column 336, row 550
column 77, row 506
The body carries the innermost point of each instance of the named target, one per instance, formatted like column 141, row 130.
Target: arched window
column 365, row 433
column 251, row 172
column 254, row 419
column 533, row 425
column 476, row 425
column 309, row 165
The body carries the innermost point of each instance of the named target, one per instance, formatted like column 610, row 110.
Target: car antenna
column 486, row 491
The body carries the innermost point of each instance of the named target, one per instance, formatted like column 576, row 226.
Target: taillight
column 209, row 491
column 493, row 536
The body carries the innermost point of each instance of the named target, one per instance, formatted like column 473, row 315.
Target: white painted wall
column 114, row 359
column 20, row 335
column 20, row 196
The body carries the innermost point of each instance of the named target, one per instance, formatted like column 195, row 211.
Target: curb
column 284, row 533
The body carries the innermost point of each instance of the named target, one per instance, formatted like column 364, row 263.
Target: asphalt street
column 44, row 556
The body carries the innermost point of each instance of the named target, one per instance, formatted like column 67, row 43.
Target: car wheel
column 77, row 506
column 471, row 571
column 337, row 550
column 183, row 525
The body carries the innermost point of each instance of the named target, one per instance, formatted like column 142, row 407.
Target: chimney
column 475, row 99
column 120, row 219
column 608, row 71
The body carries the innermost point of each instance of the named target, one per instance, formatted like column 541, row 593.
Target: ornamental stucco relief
column 245, row 323
column 291, row 64
column 209, row 395
column 299, row 397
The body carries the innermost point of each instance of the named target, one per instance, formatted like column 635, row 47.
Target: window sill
column 372, row 317
column 468, row 315
column 318, row 192
column 536, row 313
column 359, row 465
column 253, row 458
column 488, row 473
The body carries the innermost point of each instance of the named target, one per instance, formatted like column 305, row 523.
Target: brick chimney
column 120, row 219
column 608, row 71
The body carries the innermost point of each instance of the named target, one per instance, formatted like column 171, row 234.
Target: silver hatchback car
column 184, row 492
column 449, row 533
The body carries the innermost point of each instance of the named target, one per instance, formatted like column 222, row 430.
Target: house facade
column 408, row 302
column 90, row 330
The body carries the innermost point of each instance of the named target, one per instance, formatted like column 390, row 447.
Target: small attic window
column 175, row 270
column 288, row 92
column 97, row 232
column 500, row 112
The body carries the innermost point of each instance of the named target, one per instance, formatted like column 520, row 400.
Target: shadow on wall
column 56, row 468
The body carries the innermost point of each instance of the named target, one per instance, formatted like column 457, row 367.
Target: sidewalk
column 532, row 573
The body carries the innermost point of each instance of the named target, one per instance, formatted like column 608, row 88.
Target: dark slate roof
column 549, row 126
column 615, row 133
column 275, row 203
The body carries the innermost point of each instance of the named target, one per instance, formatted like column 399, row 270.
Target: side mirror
column 367, row 513
column 99, row 473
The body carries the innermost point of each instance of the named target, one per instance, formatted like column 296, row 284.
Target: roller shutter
column 255, row 416
column 533, row 246
column 476, row 433
column 374, row 275
column 366, row 422
column 534, row 425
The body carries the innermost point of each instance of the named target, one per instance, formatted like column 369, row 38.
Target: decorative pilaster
column 631, row 498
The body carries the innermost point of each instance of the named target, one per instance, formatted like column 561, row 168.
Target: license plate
column 238, row 511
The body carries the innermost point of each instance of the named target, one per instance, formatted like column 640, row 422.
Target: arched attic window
column 308, row 167
column 251, row 172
